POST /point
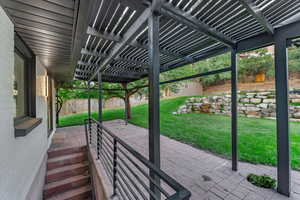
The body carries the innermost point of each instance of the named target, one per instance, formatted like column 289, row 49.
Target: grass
column 257, row 137
column 295, row 104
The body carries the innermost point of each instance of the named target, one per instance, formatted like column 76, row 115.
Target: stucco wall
column 20, row 158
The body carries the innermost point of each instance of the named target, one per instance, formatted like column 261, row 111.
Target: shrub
column 262, row 181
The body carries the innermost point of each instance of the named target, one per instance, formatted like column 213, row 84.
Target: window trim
column 26, row 73
column 24, row 125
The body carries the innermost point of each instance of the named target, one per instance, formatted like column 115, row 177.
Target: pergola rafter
column 192, row 22
column 258, row 15
column 134, row 43
column 134, row 30
column 118, row 58
column 129, row 75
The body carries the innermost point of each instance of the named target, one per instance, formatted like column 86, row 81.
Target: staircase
column 68, row 175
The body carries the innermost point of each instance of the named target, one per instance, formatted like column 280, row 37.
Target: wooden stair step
column 80, row 193
column 66, row 160
column 65, row 151
column 66, row 171
column 57, row 187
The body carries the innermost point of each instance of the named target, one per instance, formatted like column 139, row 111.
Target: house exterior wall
column 22, row 159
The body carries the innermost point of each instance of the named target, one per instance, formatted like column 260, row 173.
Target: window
column 20, row 87
column 24, row 89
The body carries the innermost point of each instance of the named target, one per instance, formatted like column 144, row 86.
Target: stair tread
column 65, row 181
column 71, row 193
column 66, row 148
column 66, row 157
column 67, row 168
column 56, row 152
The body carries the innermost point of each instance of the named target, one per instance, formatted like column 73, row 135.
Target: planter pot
column 261, row 77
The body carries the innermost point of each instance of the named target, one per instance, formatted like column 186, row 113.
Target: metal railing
column 128, row 170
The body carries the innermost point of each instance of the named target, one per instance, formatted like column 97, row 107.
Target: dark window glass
column 20, row 90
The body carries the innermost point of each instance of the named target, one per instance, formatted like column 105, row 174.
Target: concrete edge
column 104, row 189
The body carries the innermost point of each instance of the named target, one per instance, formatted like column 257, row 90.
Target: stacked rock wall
column 250, row 104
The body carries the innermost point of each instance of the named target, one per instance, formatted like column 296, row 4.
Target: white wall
column 20, row 158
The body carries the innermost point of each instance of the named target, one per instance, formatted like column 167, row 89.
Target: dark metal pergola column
column 89, row 110
column 99, row 131
column 282, row 115
column 154, row 95
column 234, row 137
column 126, row 106
column 100, row 116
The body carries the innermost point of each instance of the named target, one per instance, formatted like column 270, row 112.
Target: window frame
column 23, row 125
column 26, row 87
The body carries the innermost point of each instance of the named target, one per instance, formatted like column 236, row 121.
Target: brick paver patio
column 207, row 176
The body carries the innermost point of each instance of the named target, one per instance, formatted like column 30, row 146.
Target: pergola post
column 234, row 136
column 154, row 95
column 89, row 110
column 99, row 129
column 100, row 118
column 126, row 106
column 282, row 116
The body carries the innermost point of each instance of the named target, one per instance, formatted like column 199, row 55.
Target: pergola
column 129, row 40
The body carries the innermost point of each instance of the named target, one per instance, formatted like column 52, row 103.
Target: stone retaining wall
column 250, row 104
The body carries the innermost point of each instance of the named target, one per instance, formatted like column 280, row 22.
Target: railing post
column 98, row 141
column 99, row 129
column 86, row 133
column 115, row 164
column 89, row 111
column 234, row 135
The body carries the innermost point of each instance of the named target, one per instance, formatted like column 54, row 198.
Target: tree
column 207, row 65
column 255, row 62
column 126, row 91
column 294, row 59
column 65, row 91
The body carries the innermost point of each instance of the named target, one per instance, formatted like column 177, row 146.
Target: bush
column 255, row 62
column 262, row 181
column 294, row 59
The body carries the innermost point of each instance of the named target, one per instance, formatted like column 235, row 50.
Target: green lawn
column 257, row 137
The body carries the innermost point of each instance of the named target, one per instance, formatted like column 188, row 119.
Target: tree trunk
column 127, row 101
column 128, row 106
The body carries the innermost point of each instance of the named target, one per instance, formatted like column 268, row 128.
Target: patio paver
column 207, row 176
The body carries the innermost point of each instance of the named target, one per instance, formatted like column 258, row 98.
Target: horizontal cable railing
column 128, row 170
